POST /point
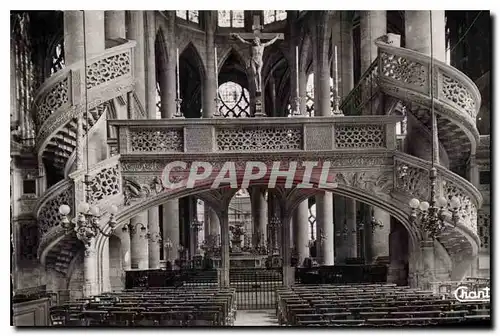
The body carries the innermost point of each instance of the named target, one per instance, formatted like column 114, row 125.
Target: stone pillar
column 301, row 231
column 154, row 241
column 338, row 227
column 125, row 248
column 73, row 34
column 346, row 57
column 288, row 275
column 138, row 241
column 135, row 31
column 89, row 271
column 225, row 259
column 302, row 92
column 326, row 233
column 352, row 238
column 115, row 24
column 104, row 281
column 171, row 232
column 427, row 265
column 418, row 32
column 209, row 85
column 380, row 236
column 473, row 171
column 396, row 255
column 373, row 24
column 166, row 78
column 150, row 66
column 259, row 216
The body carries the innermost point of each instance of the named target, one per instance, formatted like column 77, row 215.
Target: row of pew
column 151, row 307
column 374, row 305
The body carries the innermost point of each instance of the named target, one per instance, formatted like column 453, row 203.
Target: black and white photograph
column 264, row 168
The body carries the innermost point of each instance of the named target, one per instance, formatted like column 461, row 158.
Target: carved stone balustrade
column 412, row 178
column 62, row 97
column 361, row 133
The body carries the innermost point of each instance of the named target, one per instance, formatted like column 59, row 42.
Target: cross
column 257, row 31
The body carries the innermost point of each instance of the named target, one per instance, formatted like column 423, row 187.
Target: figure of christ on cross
column 256, row 52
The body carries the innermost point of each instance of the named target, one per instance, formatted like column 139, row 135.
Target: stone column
column 125, row 248
column 326, row 233
column 346, row 57
column 171, row 229
column 352, row 238
column 209, row 84
column 150, row 66
column 418, row 32
column 301, row 230
column 115, row 24
column 373, row 24
column 288, row 275
column 324, row 201
column 427, row 265
column 167, row 80
column 225, row 259
column 339, row 221
column 396, row 255
column 473, row 171
column 259, row 216
column 138, row 241
column 154, row 241
column 104, row 281
column 380, row 236
column 73, row 36
column 89, row 271
column 135, row 31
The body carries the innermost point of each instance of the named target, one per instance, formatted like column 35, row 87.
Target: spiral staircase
column 401, row 76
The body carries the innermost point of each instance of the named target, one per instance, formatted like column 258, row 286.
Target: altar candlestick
column 177, row 74
column 297, row 69
column 336, row 74
column 216, row 74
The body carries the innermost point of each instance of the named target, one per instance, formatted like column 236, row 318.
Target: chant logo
column 306, row 174
column 465, row 294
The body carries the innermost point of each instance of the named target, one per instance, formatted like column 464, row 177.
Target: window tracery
column 274, row 15
column 57, row 58
column 234, row 101
column 231, row 18
column 188, row 15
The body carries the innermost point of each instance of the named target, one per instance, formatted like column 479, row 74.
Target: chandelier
column 86, row 221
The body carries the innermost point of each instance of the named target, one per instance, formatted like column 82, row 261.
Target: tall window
column 158, row 101
column 57, row 58
column 188, row 15
column 274, row 15
column 231, row 18
column 234, row 101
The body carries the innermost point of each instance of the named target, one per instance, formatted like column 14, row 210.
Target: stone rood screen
column 307, row 174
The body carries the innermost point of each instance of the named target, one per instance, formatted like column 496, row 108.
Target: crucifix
column 257, row 48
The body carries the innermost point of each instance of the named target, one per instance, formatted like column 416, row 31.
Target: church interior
column 396, row 105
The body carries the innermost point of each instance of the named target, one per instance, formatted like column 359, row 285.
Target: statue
column 256, row 52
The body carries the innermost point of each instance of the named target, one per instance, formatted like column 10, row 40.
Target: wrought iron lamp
column 132, row 228
column 86, row 222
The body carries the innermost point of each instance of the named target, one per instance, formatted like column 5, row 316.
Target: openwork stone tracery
column 150, row 140
column 107, row 69
column 259, row 139
column 402, row 69
column 104, row 184
column 351, row 136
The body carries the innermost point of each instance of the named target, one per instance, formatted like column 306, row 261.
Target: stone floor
column 256, row 318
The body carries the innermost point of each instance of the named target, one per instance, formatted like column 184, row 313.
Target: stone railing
column 412, row 177
column 105, row 188
column 62, row 97
column 362, row 93
column 46, row 210
column 255, row 135
column 406, row 74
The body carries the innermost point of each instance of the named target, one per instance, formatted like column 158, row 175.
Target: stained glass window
column 234, row 101
column 274, row 15
column 158, row 101
column 188, row 15
column 57, row 59
column 228, row 18
column 312, row 222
